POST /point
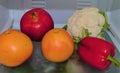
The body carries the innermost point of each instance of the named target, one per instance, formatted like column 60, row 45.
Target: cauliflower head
column 86, row 20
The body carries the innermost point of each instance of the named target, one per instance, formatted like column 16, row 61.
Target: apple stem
column 34, row 15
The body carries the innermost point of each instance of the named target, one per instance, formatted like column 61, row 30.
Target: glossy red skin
column 95, row 51
column 36, row 26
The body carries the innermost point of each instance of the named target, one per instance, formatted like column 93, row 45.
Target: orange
column 15, row 48
column 57, row 45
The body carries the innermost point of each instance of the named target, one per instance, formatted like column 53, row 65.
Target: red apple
column 35, row 23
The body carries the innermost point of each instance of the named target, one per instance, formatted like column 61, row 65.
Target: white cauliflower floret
column 88, row 18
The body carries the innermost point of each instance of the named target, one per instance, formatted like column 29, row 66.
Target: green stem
column 116, row 62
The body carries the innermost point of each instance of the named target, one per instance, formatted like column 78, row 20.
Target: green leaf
column 106, row 25
column 76, row 39
column 64, row 27
column 101, row 35
column 85, row 33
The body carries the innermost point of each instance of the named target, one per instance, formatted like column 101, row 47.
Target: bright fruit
column 15, row 48
column 57, row 45
column 35, row 23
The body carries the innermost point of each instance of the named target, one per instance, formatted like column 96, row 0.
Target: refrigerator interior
column 61, row 10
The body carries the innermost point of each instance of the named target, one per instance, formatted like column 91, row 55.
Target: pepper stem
column 116, row 62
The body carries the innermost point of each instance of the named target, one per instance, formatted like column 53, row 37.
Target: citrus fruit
column 57, row 45
column 15, row 48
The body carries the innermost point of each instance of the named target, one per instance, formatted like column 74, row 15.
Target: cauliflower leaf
column 106, row 25
column 85, row 33
column 64, row 27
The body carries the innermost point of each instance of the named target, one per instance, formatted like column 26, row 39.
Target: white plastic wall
column 59, row 4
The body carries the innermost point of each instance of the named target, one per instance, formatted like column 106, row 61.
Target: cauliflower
column 88, row 21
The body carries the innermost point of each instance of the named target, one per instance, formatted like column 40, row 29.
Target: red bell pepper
column 97, row 52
